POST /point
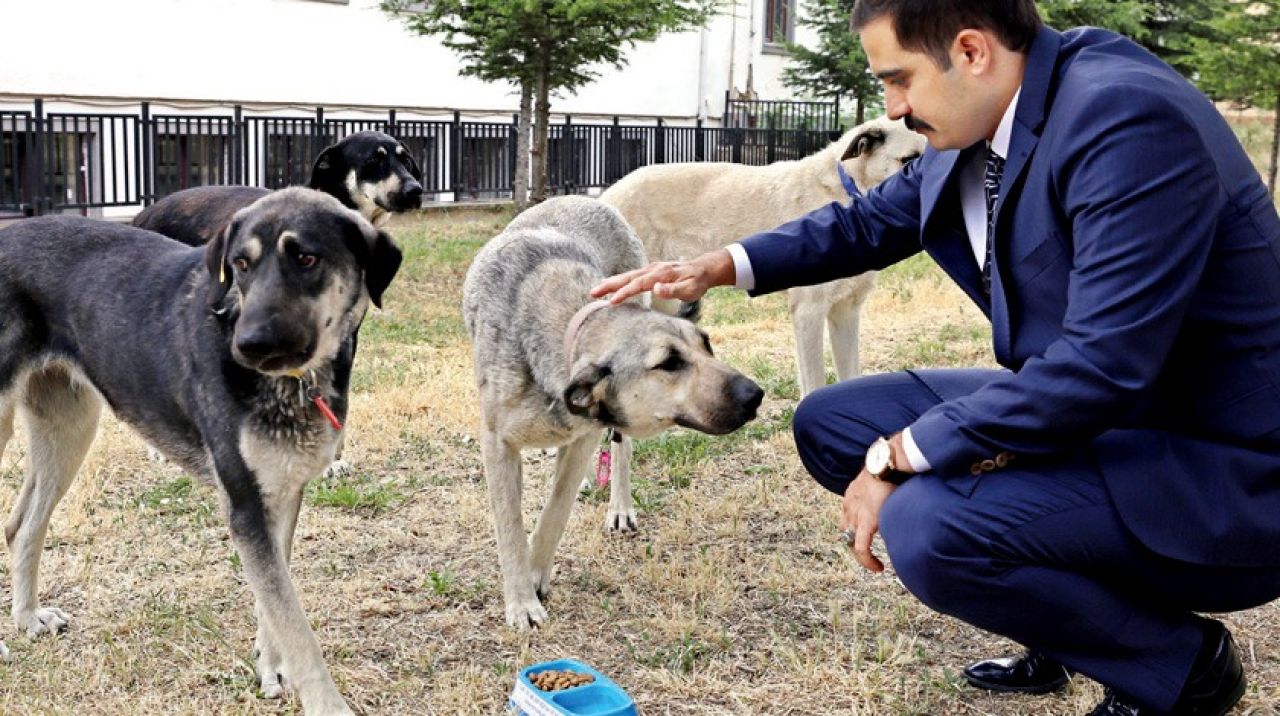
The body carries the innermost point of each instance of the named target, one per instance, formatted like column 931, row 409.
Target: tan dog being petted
column 680, row 211
column 555, row 369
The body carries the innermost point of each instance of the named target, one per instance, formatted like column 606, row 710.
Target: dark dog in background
column 367, row 171
column 234, row 360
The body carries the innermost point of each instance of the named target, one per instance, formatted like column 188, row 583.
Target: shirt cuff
column 743, row 277
column 915, row 458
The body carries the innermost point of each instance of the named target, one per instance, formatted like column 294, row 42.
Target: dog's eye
column 673, row 363
column 306, row 261
column 241, row 264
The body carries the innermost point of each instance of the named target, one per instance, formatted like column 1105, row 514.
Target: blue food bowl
column 601, row 697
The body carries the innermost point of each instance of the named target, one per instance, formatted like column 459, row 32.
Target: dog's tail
column 690, row 310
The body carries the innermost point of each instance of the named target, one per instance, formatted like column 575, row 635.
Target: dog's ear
column 863, row 143
column 384, row 261
column 215, row 260
column 326, row 173
column 585, row 391
column 379, row 257
column 690, row 311
column 414, row 169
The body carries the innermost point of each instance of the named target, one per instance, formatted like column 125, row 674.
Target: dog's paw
column 338, row 468
column 526, row 614
column 156, row 456
column 271, row 688
column 621, row 520
column 45, row 620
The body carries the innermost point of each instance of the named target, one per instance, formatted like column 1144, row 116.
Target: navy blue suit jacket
column 1135, row 295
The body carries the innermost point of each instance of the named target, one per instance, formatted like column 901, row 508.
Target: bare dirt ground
column 734, row 598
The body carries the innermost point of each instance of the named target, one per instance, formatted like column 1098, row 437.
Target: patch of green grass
column 778, row 380
column 361, row 494
column 178, row 497
column 945, row 347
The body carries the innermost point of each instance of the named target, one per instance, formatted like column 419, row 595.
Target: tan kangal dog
column 555, row 369
column 682, row 210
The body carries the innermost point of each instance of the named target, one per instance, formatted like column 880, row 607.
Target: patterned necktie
column 991, row 186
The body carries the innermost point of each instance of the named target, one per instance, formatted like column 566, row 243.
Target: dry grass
column 733, row 598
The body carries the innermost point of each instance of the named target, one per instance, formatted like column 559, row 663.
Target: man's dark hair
column 929, row 26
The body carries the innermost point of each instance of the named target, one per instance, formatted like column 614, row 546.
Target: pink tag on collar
column 604, row 467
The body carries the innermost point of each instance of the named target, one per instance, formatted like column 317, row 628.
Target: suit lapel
column 1028, row 121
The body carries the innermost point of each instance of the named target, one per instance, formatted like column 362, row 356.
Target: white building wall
column 305, row 53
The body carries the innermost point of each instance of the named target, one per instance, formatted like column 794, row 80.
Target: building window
column 779, row 23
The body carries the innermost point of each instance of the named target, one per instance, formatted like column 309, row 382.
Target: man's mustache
column 915, row 124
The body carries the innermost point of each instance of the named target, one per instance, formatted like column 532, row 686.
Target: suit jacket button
column 975, row 468
column 988, row 465
column 1004, row 459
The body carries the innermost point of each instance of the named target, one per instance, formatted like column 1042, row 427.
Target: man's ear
column 586, row 390
column 863, row 143
column 215, row 261
column 326, row 173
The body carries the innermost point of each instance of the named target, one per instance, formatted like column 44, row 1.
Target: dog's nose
column 747, row 394
column 270, row 345
column 412, row 193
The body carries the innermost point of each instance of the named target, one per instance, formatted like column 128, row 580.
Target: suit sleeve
column 873, row 231
column 1140, row 191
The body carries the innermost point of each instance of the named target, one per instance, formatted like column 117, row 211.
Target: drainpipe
column 702, row 74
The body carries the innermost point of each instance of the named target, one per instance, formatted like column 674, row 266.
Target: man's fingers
column 613, row 283
column 862, row 548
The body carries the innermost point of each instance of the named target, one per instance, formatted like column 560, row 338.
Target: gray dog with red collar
column 555, row 369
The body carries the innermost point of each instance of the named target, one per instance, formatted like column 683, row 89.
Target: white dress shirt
column 973, row 205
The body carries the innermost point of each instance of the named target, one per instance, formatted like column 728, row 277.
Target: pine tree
column 546, row 47
column 1239, row 60
column 837, row 67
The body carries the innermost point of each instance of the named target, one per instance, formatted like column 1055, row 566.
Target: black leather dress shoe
column 1210, row 690
column 1031, row 673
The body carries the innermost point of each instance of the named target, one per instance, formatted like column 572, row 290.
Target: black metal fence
column 67, row 161
column 778, row 114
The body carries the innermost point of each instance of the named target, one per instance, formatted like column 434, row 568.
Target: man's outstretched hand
column 678, row 280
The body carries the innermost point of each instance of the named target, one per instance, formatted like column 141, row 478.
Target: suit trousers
column 1034, row 551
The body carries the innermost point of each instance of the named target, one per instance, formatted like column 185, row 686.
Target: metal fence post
column 613, row 157
column 513, row 141
column 239, row 146
column 568, row 160
column 659, row 144
column 391, row 123
column 38, row 198
column 148, row 170
column 455, row 153
column 699, row 143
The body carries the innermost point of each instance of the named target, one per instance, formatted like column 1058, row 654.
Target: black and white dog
column 367, row 171
column 234, row 360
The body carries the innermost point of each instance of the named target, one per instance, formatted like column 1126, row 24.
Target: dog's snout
column 410, row 195
column 746, row 393
column 272, row 345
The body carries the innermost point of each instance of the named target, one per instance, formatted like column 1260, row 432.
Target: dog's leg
column 339, row 467
column 807, row 318
column 62, row 419
column 571, row 461
column 6, row 432
column 843, row 326
column 622, row 513
column 296, row 649
column 502, row 472
column 282, row 519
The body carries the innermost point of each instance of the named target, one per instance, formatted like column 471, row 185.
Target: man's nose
column 896, row 105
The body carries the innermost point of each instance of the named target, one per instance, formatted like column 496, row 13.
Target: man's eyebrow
column 889, row 74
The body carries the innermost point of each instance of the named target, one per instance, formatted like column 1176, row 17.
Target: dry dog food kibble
column 553, row 680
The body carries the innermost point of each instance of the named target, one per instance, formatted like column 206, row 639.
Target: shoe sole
column 1041, row 689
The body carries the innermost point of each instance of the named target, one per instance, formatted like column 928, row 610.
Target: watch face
column 878, row 457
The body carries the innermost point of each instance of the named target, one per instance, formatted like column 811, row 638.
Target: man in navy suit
column 1123, row 471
